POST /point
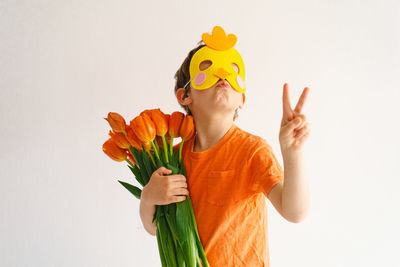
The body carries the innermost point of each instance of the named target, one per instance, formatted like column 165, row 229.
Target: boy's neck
column 208, row 134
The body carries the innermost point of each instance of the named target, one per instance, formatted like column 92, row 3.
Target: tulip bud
column 117, row 122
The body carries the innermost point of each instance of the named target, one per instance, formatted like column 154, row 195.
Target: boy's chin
column 221, row 108
column 220, row 104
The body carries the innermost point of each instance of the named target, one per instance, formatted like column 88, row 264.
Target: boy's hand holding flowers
column 163, row 188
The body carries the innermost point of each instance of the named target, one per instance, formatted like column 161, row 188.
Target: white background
column 65, row 64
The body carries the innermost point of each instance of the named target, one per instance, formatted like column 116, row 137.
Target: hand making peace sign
column 294, row 127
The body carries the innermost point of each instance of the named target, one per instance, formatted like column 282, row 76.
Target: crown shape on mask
column 218, row 40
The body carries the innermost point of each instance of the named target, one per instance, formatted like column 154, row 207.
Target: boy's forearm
column 147, row 211
column 295, row 192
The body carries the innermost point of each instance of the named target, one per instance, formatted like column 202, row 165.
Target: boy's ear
column 180, row 94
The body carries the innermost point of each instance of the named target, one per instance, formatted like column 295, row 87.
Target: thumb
column 163, row 171
column 292, row 125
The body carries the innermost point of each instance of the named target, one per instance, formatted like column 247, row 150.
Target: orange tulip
column 175, row 122
column 113, row 151
column 161, row 122
column 133, row 139
column 144, row 128
column 159, row 118
column 116, row 122
column 119, row 139
column 186, row 130
column 147, row 111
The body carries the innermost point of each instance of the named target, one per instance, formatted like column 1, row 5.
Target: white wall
column 65, row 64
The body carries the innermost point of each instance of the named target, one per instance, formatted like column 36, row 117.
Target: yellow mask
column 219, row 50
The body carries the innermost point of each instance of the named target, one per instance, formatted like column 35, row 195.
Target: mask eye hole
column 235, row 67
column 205, row 65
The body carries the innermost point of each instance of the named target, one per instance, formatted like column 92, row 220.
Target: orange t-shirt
column 227, row 184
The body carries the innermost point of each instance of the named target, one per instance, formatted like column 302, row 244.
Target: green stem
column 160, row 249
column 151, row 157
column 155, row 149
column 156, row 143
column 200, row 249
column 165, row 148
column 180, row 150
column 171, row 144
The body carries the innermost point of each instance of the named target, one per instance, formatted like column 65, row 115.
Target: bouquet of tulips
column 146, row 144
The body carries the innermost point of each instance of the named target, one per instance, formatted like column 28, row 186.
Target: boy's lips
column 224, row 84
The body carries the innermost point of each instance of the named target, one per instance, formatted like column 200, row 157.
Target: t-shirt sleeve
column 265, row 170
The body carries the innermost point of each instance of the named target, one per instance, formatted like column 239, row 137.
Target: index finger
column 178, row 177
column 287, row 110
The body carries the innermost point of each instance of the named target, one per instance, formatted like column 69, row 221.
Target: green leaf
column 155, row 214
column 147, row 164
column 183, row 168
column 160, row 249
column 185, row 233
column 136, row 155
column 167, row 242
column 162, row 156
column 133, row 189
column 169, row 155
column 176, row 156
column 138, row 158
column 174, row 169
column 158, row 162
column 135, row 170
column 197, row 237
column 171, row 220
column 170, row 212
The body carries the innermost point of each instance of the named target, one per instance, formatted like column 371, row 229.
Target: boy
column 229, row 171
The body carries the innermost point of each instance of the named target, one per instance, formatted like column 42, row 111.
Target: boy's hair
column 182, row 76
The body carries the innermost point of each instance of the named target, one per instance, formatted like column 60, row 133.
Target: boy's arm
column 295, row 191
column 275, row 196
column 147, row 211
column 290, row 196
